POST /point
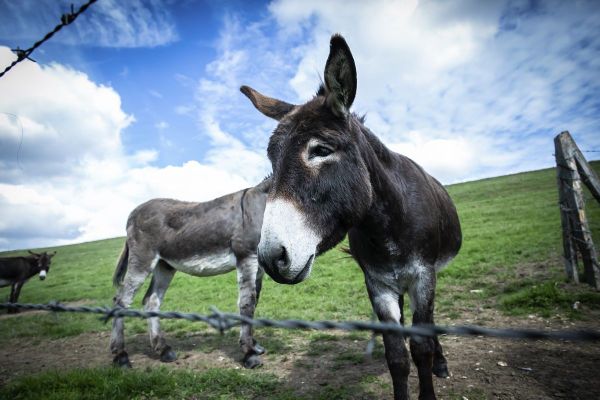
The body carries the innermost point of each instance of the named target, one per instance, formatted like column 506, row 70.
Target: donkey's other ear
column 340, row 76
column 272, row 108
column 33, row 254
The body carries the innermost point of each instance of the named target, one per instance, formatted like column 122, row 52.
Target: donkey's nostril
column 275, row 261
column 282, row 259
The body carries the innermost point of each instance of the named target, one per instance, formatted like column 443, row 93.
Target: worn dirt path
column 480, row 367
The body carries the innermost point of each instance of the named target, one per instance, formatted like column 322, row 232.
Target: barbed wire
column 225, row 321
column 65, row 19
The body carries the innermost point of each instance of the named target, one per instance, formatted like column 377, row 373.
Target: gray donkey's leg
column 249, row 282
column 139, row 267
column 161, row 278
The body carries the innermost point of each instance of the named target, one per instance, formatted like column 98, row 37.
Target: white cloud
column 107, row 198
column 38, row 137
column 73, row 181
column 238, row 134
column 184, row 109
column 468, row 89
column 400, row 43
column 493, row 81
column 161, row 125
column 435, row 81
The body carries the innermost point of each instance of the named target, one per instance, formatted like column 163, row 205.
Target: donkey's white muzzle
column 287, row 244
column 43, row 274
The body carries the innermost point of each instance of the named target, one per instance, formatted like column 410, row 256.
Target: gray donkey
column 200, row 239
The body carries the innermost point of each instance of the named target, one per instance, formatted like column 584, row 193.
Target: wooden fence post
column 572, row 169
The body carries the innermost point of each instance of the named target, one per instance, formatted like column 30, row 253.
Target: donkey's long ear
column 272, row 108
column 340, row 76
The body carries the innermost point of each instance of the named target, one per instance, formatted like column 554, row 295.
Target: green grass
column 511, row 237
column 511, row 255
column 160, row 383
column 546, row 298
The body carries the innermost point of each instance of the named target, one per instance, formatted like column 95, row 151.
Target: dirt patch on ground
column 480, row 367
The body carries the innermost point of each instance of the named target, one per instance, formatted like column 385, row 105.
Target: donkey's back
column 180, row 229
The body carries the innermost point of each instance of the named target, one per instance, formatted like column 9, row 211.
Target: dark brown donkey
column 200, row 239
column 332, row 176
column 15, row 271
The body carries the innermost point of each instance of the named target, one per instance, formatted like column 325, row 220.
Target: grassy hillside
column 511, row 245
column 510, row 261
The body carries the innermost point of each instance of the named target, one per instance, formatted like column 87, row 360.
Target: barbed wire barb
column 65, row 19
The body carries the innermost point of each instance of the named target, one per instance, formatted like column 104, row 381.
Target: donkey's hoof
column 258, row 349
column 252, row 361
column 440, row 370
column 121, row 360
column 168, row 355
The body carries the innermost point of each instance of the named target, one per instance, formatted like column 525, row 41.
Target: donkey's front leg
column 385, row 303
column 422, row 349
column 249, row 282
column 15, row 291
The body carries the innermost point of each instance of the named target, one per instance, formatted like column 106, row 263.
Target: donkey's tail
column 121, row 266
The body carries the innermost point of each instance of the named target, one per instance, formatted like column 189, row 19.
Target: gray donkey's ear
column 270, row 107
column 340, row 76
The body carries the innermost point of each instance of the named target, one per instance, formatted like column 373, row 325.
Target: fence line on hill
column 65, row 19
column 225, row 321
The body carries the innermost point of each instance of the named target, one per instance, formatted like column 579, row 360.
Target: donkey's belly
column 5, row 282
column 206, row 264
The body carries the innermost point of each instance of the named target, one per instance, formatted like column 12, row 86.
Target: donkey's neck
column 411, row 213
column 374, row 151
column 392, row 178
column 383, row 165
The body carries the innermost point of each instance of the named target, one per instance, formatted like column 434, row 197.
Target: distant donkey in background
column 332, row 176
column 200, row 239
column 15, row 271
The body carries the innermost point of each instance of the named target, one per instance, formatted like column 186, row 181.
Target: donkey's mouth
column 305, row 271
column 277, row 277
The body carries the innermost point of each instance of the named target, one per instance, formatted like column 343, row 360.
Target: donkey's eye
column 320, row 151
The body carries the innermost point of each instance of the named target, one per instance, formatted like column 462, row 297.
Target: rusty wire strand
column 225, row 321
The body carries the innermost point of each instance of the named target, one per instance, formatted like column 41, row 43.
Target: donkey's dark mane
column 322, row 90
column 380, row 150
column 265, row 184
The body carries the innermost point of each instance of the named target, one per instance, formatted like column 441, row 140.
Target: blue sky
column 139, row 99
